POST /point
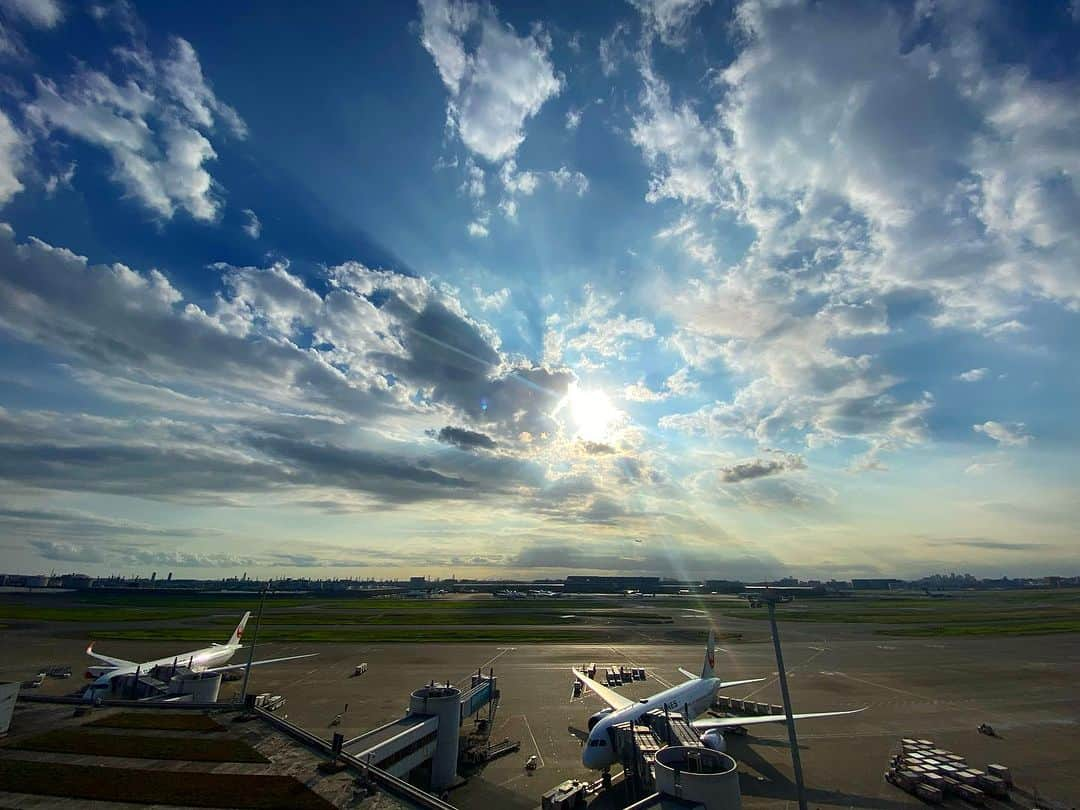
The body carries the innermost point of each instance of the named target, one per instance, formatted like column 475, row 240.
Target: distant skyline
column 693, row 289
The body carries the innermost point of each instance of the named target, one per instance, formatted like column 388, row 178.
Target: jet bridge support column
column 445, row 703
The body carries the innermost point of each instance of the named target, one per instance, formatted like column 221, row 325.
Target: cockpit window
column 597, row 743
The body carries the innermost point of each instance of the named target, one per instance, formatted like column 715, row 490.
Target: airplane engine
column 600, row 715
column 714, row 740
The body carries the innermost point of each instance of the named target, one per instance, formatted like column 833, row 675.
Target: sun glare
column 592, row 413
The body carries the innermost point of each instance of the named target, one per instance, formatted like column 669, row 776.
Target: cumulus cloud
column 668, row 19
column 761, row 467
column 154, row 121
column 495, row 85
column 38, row 13
column 1007, row 434
column 492, row 302
column 464, row 438
column 253, row 227
column 972, row 375
column 12, row 151
column 848, row 213
column 678, row 384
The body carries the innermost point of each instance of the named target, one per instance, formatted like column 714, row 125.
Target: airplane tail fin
column 238, row 633
column 708, row 669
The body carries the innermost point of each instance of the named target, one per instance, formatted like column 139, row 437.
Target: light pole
column 770, row 597
column 254, row 639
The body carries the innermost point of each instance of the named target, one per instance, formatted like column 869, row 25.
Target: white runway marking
column 489, row 662
column 533, row 738
column 883, row 686
column 790, row 672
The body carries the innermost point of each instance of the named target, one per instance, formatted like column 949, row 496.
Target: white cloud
column 1010, row 434
column 516, row 182
column 38, row 13
column 683, row 152
column 972, row 375
column 494, row 89
column 962, row 202
column 153, row 122
column 678, row 384
column 573, row 118
column 565, row 178
column 612, row 49
column 474, row 182
column 478, row 228
column 63, row 179
column 12, row 152
column 253, row 227
column 669, row 19
column 493, row 302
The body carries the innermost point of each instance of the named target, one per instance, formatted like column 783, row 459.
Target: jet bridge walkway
column 637, row 743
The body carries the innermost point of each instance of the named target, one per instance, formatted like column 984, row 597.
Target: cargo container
column 971, row 795
column 929, row 793
column 992, row 785
column 1001, row 772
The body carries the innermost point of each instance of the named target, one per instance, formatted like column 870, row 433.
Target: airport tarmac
column 942, row 690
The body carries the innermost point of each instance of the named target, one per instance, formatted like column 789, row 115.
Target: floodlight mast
column 254, row 640
column 770, row 596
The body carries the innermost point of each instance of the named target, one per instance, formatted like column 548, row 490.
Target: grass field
column 188, row 788
column 201, row 618
column 963, row 613
column 158, row 721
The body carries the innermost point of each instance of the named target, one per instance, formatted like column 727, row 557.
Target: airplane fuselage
column 195, row 660
column 689, row 699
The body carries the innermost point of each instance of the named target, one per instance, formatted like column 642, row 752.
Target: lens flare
column 592, row 413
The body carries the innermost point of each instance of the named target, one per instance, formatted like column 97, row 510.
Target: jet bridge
column 429, row 732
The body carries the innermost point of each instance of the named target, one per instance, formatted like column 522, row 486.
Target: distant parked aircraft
column 691, row 699
column 544, row 594
column 208, row 659
column 508, row 594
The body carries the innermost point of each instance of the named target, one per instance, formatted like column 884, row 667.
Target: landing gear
column 605, row 780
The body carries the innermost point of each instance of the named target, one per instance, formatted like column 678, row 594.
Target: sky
column 671, row 287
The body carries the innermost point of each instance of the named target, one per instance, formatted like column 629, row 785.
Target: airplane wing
column 691, row 676
column 257, row 663
column 707, row 723
column 116, row 662
column 725, row 684
column 609, row 696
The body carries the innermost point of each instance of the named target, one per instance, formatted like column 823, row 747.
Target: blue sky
column 743, row 289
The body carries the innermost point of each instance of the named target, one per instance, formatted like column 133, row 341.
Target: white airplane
column 544, row 594
column 208, row 659
column 691, row 699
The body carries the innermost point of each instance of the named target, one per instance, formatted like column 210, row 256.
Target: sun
column 592, row 413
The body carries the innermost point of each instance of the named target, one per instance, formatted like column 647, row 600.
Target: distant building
column 724, row 586
column 875, row 584
column 599, row 584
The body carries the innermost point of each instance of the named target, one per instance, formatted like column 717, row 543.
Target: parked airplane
column 545, row 594
column 690, row 699
column 208, row 659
